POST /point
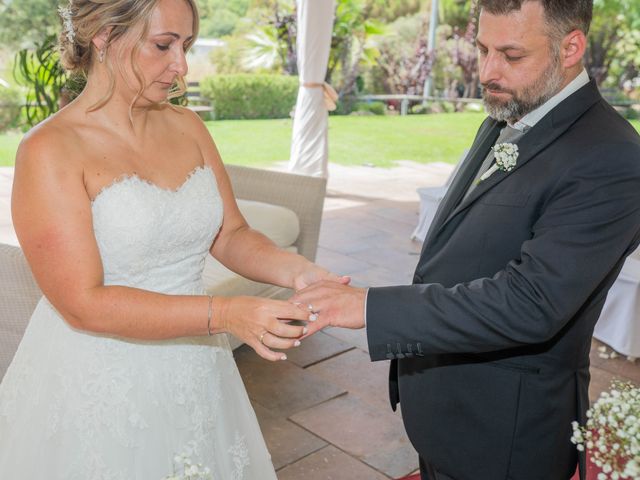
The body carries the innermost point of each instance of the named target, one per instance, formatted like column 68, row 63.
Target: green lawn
column 353, row 140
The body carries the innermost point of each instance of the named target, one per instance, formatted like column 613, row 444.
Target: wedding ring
column 262, row 337
column 310, row 307
column 313, row 316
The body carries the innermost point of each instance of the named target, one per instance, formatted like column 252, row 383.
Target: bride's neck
column 117, row 112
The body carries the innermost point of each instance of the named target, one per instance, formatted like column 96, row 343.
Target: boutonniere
column 506, row 155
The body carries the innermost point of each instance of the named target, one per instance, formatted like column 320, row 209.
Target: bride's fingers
column 273, row 341
column 288, row 311
column 266, row 353
column 284, row 330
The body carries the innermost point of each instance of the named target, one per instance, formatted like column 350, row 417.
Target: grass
column 8, row 146
column 353, row 140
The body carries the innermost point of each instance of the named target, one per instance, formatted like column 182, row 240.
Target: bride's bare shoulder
column 186, row 122
column 48, row 146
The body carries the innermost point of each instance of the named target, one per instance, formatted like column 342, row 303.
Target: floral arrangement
column 185, row 469
column 612, row 433
column 506, row 155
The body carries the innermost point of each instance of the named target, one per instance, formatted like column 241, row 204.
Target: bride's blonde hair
column 82, row 20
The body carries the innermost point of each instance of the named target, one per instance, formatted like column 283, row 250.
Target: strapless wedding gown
column 79, row 406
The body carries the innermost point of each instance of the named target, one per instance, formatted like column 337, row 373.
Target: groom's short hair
column 562, row 16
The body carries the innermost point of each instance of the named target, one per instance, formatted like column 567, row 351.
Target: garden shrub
column 10, row 103
column 250, row 96
column 377, row 108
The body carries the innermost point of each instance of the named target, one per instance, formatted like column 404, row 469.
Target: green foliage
column 229, row 60
column 613, row 36
column 219, row 18
column 250, row 96
column 376, row 108
column 389, row 11
column 631, row 114
column 26, row 22
column 455, row 13
column 40, row 71
column 10, row 103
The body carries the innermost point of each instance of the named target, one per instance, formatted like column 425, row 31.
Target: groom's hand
column 333, row 303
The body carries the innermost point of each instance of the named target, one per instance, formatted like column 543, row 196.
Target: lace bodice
column 154, row 238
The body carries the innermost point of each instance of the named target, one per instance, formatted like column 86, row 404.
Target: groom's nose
column 490, row 68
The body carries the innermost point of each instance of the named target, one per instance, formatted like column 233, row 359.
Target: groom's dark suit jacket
column 490, row 345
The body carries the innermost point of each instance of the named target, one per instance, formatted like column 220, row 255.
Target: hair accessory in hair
column 67, row 23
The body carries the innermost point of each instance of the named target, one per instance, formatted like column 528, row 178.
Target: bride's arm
column 52, row 216
column 247, row 251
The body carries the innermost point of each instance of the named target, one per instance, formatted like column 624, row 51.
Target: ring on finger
column 313, row 316
column 262, row 337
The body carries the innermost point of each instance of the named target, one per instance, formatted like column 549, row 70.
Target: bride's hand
column 313, row 273
column 261, row 323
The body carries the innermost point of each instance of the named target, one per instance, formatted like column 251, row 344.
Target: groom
column 489, row 347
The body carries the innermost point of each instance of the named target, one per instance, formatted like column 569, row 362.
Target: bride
column 117, row 200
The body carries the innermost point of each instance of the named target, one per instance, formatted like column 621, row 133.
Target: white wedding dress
column 79, row 406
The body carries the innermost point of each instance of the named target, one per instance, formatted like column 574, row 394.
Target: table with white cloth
column 619, row 322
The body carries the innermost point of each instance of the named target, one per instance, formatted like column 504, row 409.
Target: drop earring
column 101, row 55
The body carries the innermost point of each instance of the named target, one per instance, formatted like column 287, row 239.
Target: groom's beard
column 541, row 89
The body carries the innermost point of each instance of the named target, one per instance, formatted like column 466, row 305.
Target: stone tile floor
column 325, row 413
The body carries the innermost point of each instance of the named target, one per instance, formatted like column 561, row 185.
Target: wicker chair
column 304, row 195
column 19, row 293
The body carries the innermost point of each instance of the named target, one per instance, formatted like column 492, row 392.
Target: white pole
column 433, row 25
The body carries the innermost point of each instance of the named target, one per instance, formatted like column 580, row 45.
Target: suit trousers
column 428, row 472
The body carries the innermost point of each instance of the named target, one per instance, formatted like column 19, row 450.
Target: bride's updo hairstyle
column 82, row 20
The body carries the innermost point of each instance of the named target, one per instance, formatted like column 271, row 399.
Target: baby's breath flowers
column 506, row 155
column 185, row 469
column 612, row 433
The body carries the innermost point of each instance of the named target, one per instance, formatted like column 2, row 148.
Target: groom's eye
column 513, row 58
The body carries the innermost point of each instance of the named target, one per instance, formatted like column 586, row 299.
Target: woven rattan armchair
column 19, row 295
column 304, row 195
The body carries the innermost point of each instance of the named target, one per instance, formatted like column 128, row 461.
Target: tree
column 612, row 34
column 462, row 51
column 23, row 23
column 219, row 18
column 351, row 48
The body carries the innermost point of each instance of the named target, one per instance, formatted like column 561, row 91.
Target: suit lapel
column 485, row 139
column 544, row 133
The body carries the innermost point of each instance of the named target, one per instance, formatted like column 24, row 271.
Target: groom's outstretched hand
column 331, row 304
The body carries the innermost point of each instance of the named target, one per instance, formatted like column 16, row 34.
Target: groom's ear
column 572, row 48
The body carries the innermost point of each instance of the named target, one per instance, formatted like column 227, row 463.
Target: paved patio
column 325, row 413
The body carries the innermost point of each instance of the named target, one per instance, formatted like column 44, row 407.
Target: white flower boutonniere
column 506, row 155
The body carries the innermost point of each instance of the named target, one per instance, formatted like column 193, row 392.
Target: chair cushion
column 278, row 223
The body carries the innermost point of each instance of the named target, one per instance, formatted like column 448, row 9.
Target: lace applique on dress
column 240, row 455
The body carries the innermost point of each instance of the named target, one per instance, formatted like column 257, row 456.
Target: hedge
column 250, row 96
column 10, row 101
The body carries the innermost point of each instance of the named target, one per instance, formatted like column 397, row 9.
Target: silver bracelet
column 209, row 315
